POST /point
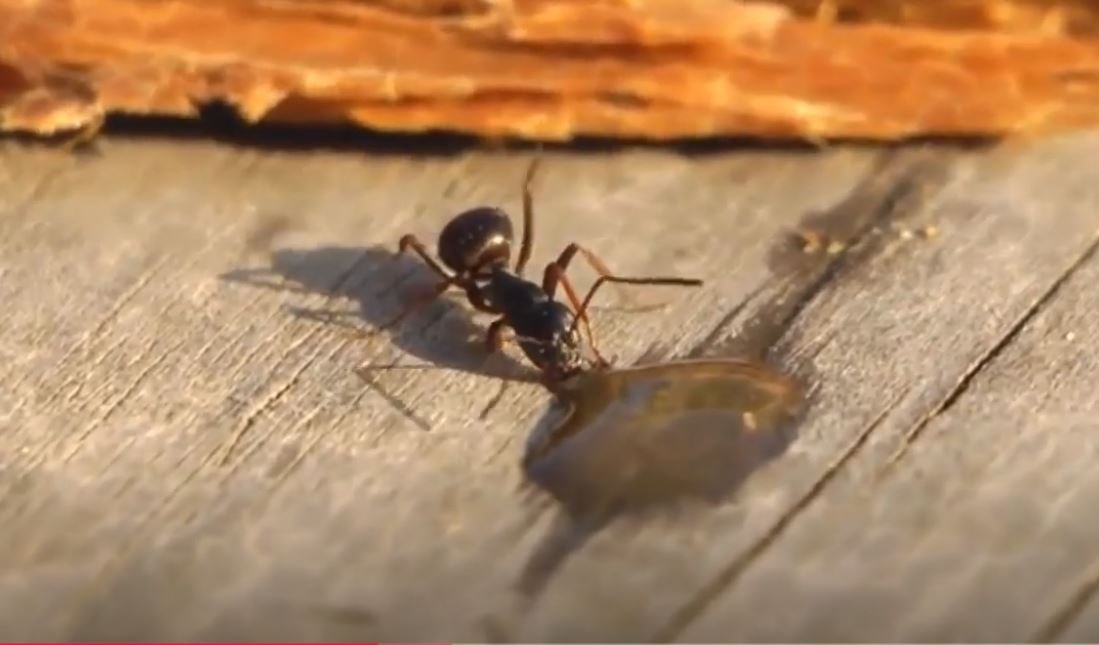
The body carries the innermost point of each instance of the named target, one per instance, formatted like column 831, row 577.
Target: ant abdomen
column 476, row 240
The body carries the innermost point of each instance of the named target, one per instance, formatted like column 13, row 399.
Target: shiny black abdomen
column 542, row 326
column 476, row 238
column 544, row 336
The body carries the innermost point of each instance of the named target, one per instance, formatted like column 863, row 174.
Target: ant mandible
column 476, row 246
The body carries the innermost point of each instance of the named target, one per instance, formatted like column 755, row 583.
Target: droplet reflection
column 645, row 438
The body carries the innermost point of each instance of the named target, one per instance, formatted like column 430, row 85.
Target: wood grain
column 899, row 547
column 952, row 538
column 190, row 456
column 556, row 70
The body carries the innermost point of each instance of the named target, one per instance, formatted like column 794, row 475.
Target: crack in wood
column 989, row 357
column 727, row 576
column 267, row 403
column 883, row 195
column 313, row 442
column 494, row 401
column 121, row 399
column 313, row 413
column 93, row 336
column 99, row 331
column 1067, row 613
column 341, row 287
column 654, row 352
column 700, row 349
column 101, row 578
column 335, row 287
column 819, row 310
column 40, row 186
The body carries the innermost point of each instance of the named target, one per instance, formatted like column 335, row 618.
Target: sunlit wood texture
column 555, row 69
column 187, row 453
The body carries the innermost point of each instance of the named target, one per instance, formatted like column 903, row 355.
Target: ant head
column 476, row 239
column 550, row 342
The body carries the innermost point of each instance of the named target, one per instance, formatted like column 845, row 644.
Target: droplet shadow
column 651, row 441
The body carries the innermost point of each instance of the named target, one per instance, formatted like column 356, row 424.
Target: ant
column 476, row 245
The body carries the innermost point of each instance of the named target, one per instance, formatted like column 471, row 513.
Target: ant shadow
column 595, row 473
column 378, row 282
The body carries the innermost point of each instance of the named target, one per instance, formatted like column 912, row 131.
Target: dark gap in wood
column 39, row 186
column 893, row 191
column 270, row 401
column 220, row 121
column 494, row 401
column 884, row 195
column 1067, row 613
column 493, row 631
column 700, row 349
column 658, row 350
column 697, row 604
column 991, row 355
column 350, row 616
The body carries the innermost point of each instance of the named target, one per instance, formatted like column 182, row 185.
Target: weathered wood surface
column 187, row 452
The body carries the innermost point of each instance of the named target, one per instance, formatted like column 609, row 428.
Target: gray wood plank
column 962, row 510
column 187, row 457
column 190, row 459
column 982, row 530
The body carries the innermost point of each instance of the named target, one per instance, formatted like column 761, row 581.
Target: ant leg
column 412, row 242
column 598, row 265
column 682, row 282
column 476, row 298
column 528, row 220
column 494, row 339
column 555, row 275
column 494, row 342
column 417, row 301
column 570, row 252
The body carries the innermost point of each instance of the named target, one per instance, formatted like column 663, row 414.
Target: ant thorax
column 546, row 335
column 515, row 297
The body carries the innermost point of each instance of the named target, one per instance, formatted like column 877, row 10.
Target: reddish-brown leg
column 496, row 335
column 599, row 267
column 582, row 309
column 554, row 276
column 526, row 247
column 412, row 242
column 570, row 252
column 418, row 300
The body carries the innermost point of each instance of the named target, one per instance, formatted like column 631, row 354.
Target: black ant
column 476, row 246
